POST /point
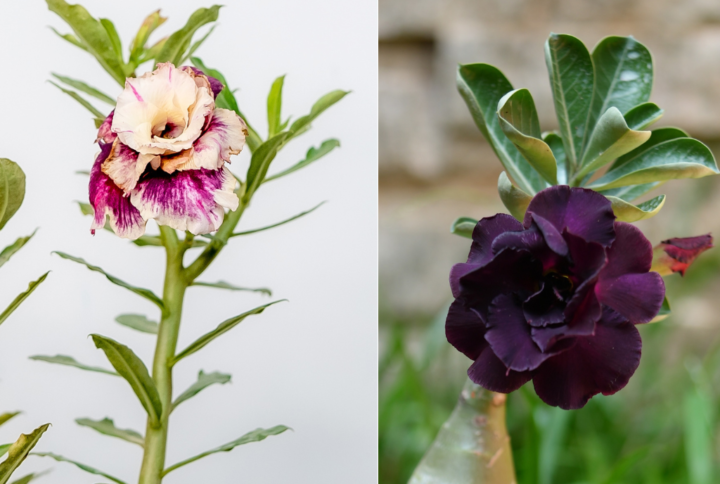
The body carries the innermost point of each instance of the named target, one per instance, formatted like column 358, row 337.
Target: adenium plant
column 552, row 293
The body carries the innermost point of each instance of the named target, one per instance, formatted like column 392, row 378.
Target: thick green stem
column 473, row 446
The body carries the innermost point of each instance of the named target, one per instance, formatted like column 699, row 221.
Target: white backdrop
column 310, row 363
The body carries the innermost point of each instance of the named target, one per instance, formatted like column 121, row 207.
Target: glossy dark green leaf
column 302, row 123
column 677, row 158
column 313, row 154
column 631, row 192
column 83, row 102
column 274, row 106
column 138, row 44
column 222, row 328
column 664, row 312
column 138, row 322
column 83, row 467
column 82, row 87
column 134, row 371
column 571, row 79
column 19, row 451
column 657, row 136
column 260, row 162
column 514, row 199
column 623, row 76
column 92, row 35
column 70, row 361
column 12, row 189
column 255, row 436
column 554, row 141
column 5, row 417
column 146, row 293
column 519, row 121
column 643, row 115
column 204, row 380
column 627, row 212
column 231, row 287
column 177, row 44
column 482, row 86
column 11, row 249
column 21, row 297
column 107, row 427
column 71, row 38
column 295, row 217
column 463, row 227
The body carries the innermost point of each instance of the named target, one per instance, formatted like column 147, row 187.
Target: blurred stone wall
column 435, row 165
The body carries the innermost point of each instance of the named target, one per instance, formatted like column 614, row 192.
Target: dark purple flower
column 554, row 299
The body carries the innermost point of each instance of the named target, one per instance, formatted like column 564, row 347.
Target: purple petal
column 465, row 330
column 458, row 271
column 121, row 166
column 630, row 252
column 224, row 136
column 544, row 307
column 638, row 297
column 489, row 372
column 485, row 232
column 602, row 363
column 215, row 85
column 105, row 133
column 581, row 211
column 552, row 236
column 531, row 240
column 588, row 258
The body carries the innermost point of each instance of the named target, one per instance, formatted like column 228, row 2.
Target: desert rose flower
column 162, row 155
column 554, row 299
column 676, row 255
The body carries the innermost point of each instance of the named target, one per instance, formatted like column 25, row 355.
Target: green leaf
column 4, row 449
column 295, row 217
column 302, row 124
column 610, row 139
column 664, row 312
column 657, row 136
column 255, row 436
column 92, row 35
column 176, row 45
column 571, row 78
column 138, row 322
column 204, row 380
column 12, row 189
column 222, row 328
column 107, row 427
column 19, row 451
column 11, row 249
column 85, row 103
column 312, row 155
column 519, row 121
column 643, row 115
column 677, row 158
column 482, row 86
column 555, row 427
column 148, row 241
column 21, row 297
column 514, row 199
column 153, row 51
column 130, row 367
column 137, row 46
column 274, row 106
column 5, row 417
column 81, row 86
column 627, row 212
column 699, row 437
column 623, row 76
column 84, row 467
column 30, row 477
column 631, row 192
column 114, row 38
column 70, row 361
column 196, row 45
column 554, row 141
column 463, row 227
column 260, row 162
column 71, row 38
column 228, row 286
column 146, row 293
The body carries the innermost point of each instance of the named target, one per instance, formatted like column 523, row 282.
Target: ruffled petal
column 544, row 307
column 602, row 363
column 465, row 330
column 630, row 252
column 489, row 372
column 588, row 258
column 553, row 237
column 191, row 200
column 485, row 232
column 638, row 297
column 215, row 84
column 105, row 133
column 122, row 166
column 583, row 212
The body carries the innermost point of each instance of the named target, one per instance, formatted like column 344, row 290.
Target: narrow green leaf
column 114, row 38
column 204, row 380
column 664, row 312
column 222, row 328
column 260, row 162
column 19, row 451
column 81, row 86
column 130, row 367
column 677, row 158
column 5, row 417
column 138, row 322
column 610, row 139
column 137, row 46
column 196, row 45
column 274, row 106
column 463, row 227
column 84, row 102
column 554, row 141
column 146, row 293
column 255, row 436
column 312, row 155
column 514, row 199
column 153, row 51
column 295, row 217
column 643, row 115
column 70, row 361
column 147, row 241
column 84, row 467
column 571, row 78
column 519, row 121
column 627, row 212
column 302, row 124
column 71, row 38
column 107, row 427
column 21, row 297
column 4, row 449
column 92, row 35
column 482, row 86
column 698, row 435
column 230, row 287
column 12, row 189
column 11, row 249
column 176, row 45
column 30, row 477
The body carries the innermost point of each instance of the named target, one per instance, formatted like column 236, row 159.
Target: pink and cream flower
column 162, row 155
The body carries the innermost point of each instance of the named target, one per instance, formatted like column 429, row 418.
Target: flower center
column 561, row 285
column 167, row 130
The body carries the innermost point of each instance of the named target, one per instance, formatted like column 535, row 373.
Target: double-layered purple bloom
column 555, row 299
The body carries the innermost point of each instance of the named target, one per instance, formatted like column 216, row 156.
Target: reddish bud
column 676, row 255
